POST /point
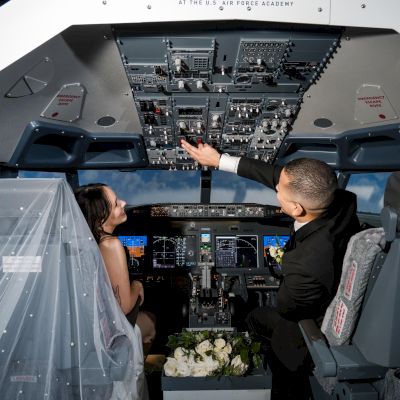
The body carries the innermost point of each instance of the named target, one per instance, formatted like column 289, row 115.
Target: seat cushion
column 342, row 313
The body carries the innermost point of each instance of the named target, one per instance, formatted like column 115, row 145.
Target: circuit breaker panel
column 236, row 89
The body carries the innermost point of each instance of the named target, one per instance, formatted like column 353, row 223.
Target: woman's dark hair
column 94, row 205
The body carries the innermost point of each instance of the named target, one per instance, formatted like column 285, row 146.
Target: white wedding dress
column 62, row 333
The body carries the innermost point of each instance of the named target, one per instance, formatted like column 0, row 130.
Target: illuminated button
column 178, row 64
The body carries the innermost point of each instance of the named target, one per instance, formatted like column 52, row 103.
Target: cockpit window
column 369, row 189
column 147, row 186
column 230, row 188
column 40, row 174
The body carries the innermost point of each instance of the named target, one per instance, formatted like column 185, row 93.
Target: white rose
column 198, row 369
column 190, row 358
column 179, row 353
column 227, row 349
column 222, row 357
column 203, row 347
column 239, row 367
column 171, row 367
column 183, row 368
column 219, row 343
column 210, row 364
column 273, row 251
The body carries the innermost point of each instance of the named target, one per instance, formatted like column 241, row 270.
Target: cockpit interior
column 108, row 94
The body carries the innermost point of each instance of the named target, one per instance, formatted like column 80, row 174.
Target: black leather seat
column 360, row 351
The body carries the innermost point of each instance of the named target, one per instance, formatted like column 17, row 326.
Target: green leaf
column 256, row 360
column 172, row 342
column 255, row 347
column 244, row 355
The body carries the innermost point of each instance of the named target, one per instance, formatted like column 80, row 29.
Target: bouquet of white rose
column 276, row 252
column 205, row 353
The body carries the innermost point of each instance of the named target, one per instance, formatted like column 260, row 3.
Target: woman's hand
column 138, row 288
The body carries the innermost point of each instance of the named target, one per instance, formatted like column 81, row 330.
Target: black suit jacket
column 311, row 266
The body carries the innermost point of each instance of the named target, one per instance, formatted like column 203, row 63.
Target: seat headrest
column 391, row 201
column 389, row 219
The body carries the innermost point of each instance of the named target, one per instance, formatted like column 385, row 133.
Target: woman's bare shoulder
column 110, row 243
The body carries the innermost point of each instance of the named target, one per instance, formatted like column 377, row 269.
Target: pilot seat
column 357, row 352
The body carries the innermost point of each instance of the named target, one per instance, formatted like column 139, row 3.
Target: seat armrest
column 325, row 364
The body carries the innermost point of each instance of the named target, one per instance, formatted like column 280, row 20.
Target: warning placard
column 372, row 105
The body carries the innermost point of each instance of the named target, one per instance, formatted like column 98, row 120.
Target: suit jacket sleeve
column 259, row 171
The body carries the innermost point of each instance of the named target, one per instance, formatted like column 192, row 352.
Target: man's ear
column 298, row 210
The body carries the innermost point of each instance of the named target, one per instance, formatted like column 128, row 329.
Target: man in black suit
column 325, row 219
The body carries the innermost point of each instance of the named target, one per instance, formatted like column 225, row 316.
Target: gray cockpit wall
column 122, row 97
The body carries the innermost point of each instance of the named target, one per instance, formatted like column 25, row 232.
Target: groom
column 325, row 219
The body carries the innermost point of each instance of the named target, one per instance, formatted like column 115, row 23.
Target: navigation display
column 136, row 247
column 174, row 252
column 238, row 251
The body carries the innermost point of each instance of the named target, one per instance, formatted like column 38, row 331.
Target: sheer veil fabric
column 62, row 333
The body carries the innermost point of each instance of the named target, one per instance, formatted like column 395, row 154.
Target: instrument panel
column 213, row 257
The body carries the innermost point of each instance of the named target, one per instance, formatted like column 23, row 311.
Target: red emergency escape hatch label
column 372, row 105
column 372, row 101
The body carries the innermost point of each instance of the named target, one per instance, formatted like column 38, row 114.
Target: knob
column 182, row 125
column 181, row 85
column 288, row 112
column 199, row 84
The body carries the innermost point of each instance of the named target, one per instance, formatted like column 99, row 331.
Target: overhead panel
column 239, row 90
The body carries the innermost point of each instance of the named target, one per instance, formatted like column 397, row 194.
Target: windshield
column 369, row 188
column 146, row 186
column 151, row 187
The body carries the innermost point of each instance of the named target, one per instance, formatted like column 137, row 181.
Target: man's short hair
column 313, row 181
